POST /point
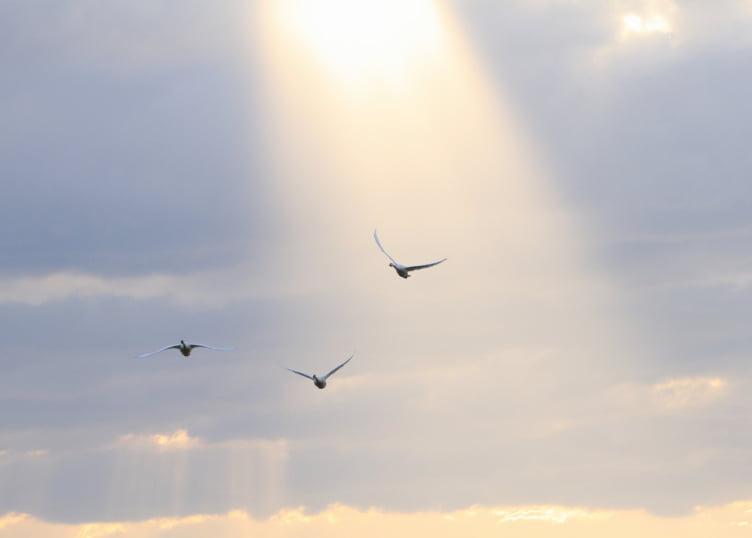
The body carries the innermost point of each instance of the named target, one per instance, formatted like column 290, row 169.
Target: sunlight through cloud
column 178, row 440
column 365, row 42
column 652, row 24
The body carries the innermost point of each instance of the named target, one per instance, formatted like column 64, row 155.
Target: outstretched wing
column 376, row 237
column 337, row 368
column 414, row 267
column 176, row 346
column 212, row 347
column 301, row 373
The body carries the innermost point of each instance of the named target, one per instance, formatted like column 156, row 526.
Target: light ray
column 445, row 153
column 443, row 166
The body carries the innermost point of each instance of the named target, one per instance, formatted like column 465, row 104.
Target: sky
column 215, row 173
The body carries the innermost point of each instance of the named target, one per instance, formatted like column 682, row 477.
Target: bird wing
column 376, row 237
column 176, row 346
column 414, row 267
column 301, row 373
column 212, row 347
column 337, row 368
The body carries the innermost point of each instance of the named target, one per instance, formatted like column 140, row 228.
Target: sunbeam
column 365, row 43
column 443, row 166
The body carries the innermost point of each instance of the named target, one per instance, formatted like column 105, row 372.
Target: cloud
column 129, row 37
column 677, row 394
column 12, row 519
column 31, row 453
column 101, row 530
column 652, row 16
column 62, row 286
column 212, row 289
column 143, row 476
column 684, row 395
column 116, row 172
column 178, row 440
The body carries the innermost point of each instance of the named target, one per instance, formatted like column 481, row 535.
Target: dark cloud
column 120, row 164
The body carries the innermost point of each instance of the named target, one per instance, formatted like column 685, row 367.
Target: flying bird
column 320, row 382
column 185, row 349
column 402, row 270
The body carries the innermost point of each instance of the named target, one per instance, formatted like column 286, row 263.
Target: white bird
column 320, row 382
column 402, row 270
column 185, row 349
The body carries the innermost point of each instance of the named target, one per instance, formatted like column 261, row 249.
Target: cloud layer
column 197, row 173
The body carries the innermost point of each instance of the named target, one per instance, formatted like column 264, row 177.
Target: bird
column 320, row 382
column 184, row 348
column 402, row 270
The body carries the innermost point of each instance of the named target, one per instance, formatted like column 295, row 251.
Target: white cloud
column 688, row 392
column 181, row 440
column 675, row 395
column 177, row 440
column 65, row 285
column 211, row 289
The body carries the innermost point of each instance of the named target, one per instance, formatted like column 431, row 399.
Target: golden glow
column 178, row 440
column 730, row 521
column 365, row 42
column 652, row 24
column 101, row 530
column 295, row 516
column 11, row 519
column 550, row 514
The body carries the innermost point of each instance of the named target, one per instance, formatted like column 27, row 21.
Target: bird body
column 402, row 270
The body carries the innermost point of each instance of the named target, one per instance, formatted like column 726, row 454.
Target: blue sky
column 174, row 170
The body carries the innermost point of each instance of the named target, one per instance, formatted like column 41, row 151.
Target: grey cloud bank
column 127, row 139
